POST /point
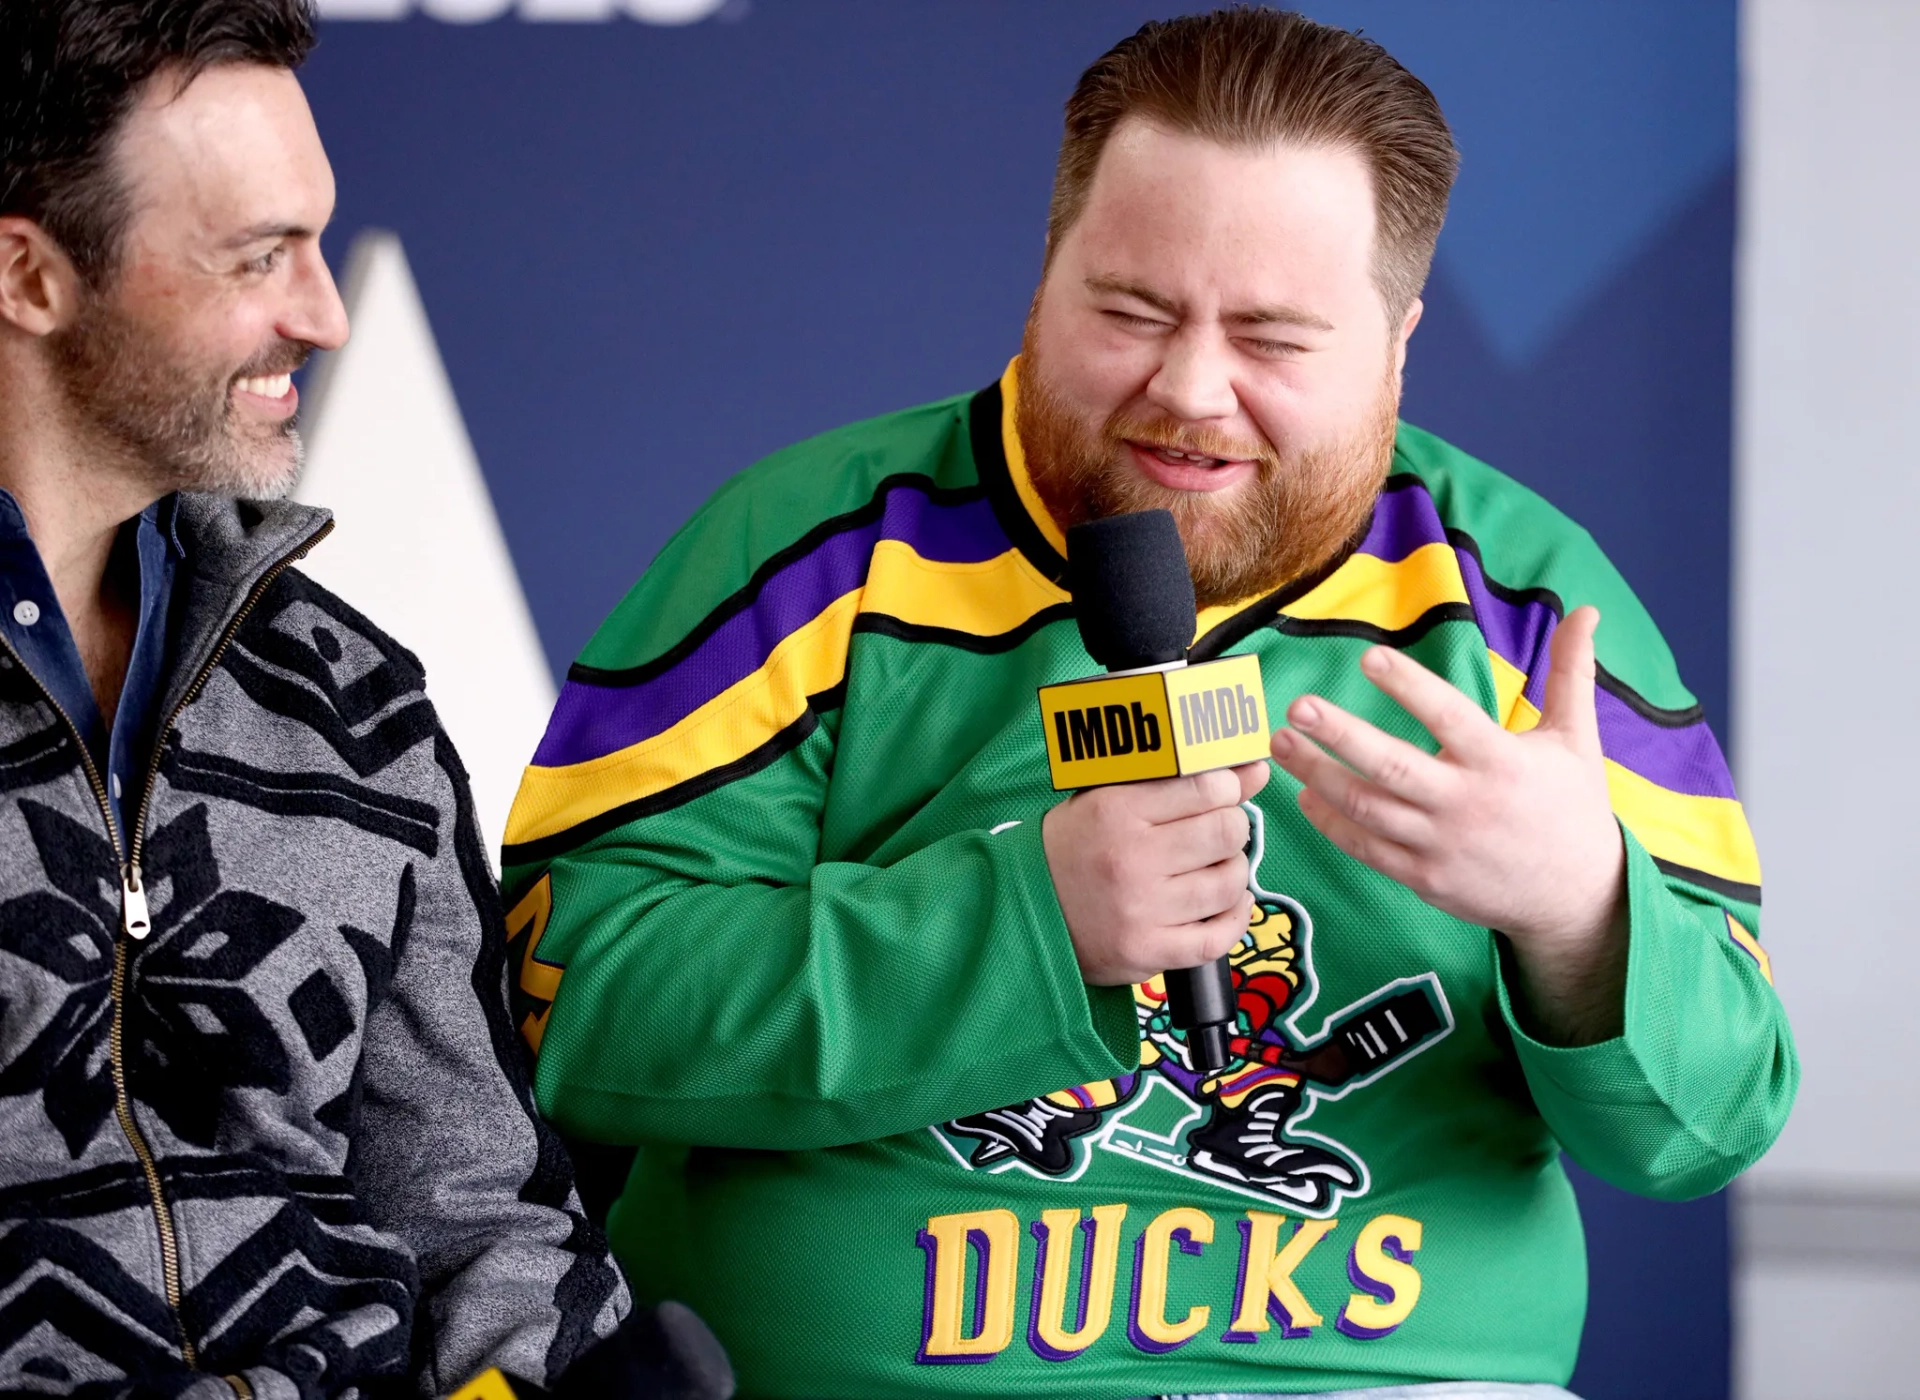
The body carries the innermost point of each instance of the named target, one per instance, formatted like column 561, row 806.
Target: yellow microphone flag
column 1155, row 724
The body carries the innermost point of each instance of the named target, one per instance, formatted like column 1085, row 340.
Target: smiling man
column 917, row 1122
column 265, row 1129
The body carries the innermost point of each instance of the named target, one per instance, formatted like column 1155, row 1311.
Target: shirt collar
column 13, row 521
column 163, row 517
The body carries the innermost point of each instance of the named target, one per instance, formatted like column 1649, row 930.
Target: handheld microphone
column 1133, row 598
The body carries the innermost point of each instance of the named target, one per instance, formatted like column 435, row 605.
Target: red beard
column 1296, row 515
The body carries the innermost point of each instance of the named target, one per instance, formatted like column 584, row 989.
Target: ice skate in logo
column 1241, row 1128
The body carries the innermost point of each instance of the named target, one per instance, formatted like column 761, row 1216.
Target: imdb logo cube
column 1154, row 724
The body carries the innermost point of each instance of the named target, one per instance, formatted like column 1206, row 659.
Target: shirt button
column 26, row 612
column 116, row 787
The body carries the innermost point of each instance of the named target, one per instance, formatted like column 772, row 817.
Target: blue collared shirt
column 31, row 618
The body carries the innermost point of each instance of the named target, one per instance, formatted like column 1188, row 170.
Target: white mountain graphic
column 417, row 546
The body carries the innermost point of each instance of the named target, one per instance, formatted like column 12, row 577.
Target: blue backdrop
column 652, row 254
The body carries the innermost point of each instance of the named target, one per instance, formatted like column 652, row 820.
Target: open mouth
column 266, row 386
column 1176, row 458
column 1182, row 470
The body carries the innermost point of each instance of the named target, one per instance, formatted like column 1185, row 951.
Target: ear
column 1414, row 312
column 39, row 286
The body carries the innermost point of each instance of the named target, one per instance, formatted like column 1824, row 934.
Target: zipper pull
column 133, row 903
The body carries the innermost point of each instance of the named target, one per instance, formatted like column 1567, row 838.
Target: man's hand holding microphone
column 1512, row 831
column 1153, row 875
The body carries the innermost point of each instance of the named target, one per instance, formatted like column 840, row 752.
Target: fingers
column 1370, row 805
column 1201, row 942
column 1398, row 767
column 1174, row 799
column 1253, row 777
column 1194, row 843
column 1461, row 726
column 1368, row 847
column 1568, row 705
column 1201, row 894
column 1152, row 875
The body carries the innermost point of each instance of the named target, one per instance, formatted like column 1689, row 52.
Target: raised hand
column 1513, row 831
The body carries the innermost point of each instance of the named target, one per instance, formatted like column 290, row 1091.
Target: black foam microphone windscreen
column 1131, row 590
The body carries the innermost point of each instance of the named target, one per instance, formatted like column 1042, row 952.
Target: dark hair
column 71, row 71
column 1252, row 76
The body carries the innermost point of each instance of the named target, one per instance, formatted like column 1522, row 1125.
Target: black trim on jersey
column 882, row 625
column 996, row 478
column 1404, row 637
column 1517, row 597
column 745, row 596
column 1265, row 612
column 1605, row 679
column 1729, row 889
column 548, row 848
column 1645, row 708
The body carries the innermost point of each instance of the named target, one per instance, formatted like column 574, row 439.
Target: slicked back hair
column 70, row 73
column 1252, row 76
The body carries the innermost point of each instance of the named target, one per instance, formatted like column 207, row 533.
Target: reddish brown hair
column 1254, row 76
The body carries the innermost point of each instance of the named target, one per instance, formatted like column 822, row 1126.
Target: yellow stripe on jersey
column 1708, row 834
column 1017, row 461
column 986, row 599
column 1388, row 596
column 1751, row 945
column 1511, row 706
column 538, row 979
column 738, row 720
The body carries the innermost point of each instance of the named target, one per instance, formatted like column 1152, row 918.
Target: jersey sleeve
column 691, row 970
column 1700, row 1082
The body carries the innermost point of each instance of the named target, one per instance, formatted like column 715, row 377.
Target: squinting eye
column 1127, row 318
column 266, row 262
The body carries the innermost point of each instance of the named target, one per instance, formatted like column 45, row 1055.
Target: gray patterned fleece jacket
column 277, row 1140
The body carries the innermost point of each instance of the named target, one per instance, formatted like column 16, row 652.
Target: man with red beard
column 916, row 1122
column 265, row 1128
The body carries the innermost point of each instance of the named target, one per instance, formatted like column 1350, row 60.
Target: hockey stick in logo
column 1362, row 1041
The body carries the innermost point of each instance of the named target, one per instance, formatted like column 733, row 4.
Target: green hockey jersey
column 781, row 916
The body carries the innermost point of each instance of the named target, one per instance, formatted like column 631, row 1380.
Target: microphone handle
column 1201, row 1002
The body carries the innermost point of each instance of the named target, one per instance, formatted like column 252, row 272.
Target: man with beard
column 265, row 1128
column 907, row 1127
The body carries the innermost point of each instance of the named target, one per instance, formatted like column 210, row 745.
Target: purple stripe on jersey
column 1684, row 760
column 1403, row 521
column 1516, row 631
column 590, row 721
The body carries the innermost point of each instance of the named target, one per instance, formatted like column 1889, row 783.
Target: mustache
column 282, row 357
column 1172, row 434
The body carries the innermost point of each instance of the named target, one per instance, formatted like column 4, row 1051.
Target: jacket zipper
column 133, row 893
column 135, row 923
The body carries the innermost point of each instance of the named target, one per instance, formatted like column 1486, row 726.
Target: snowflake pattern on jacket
column 325, row 1177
